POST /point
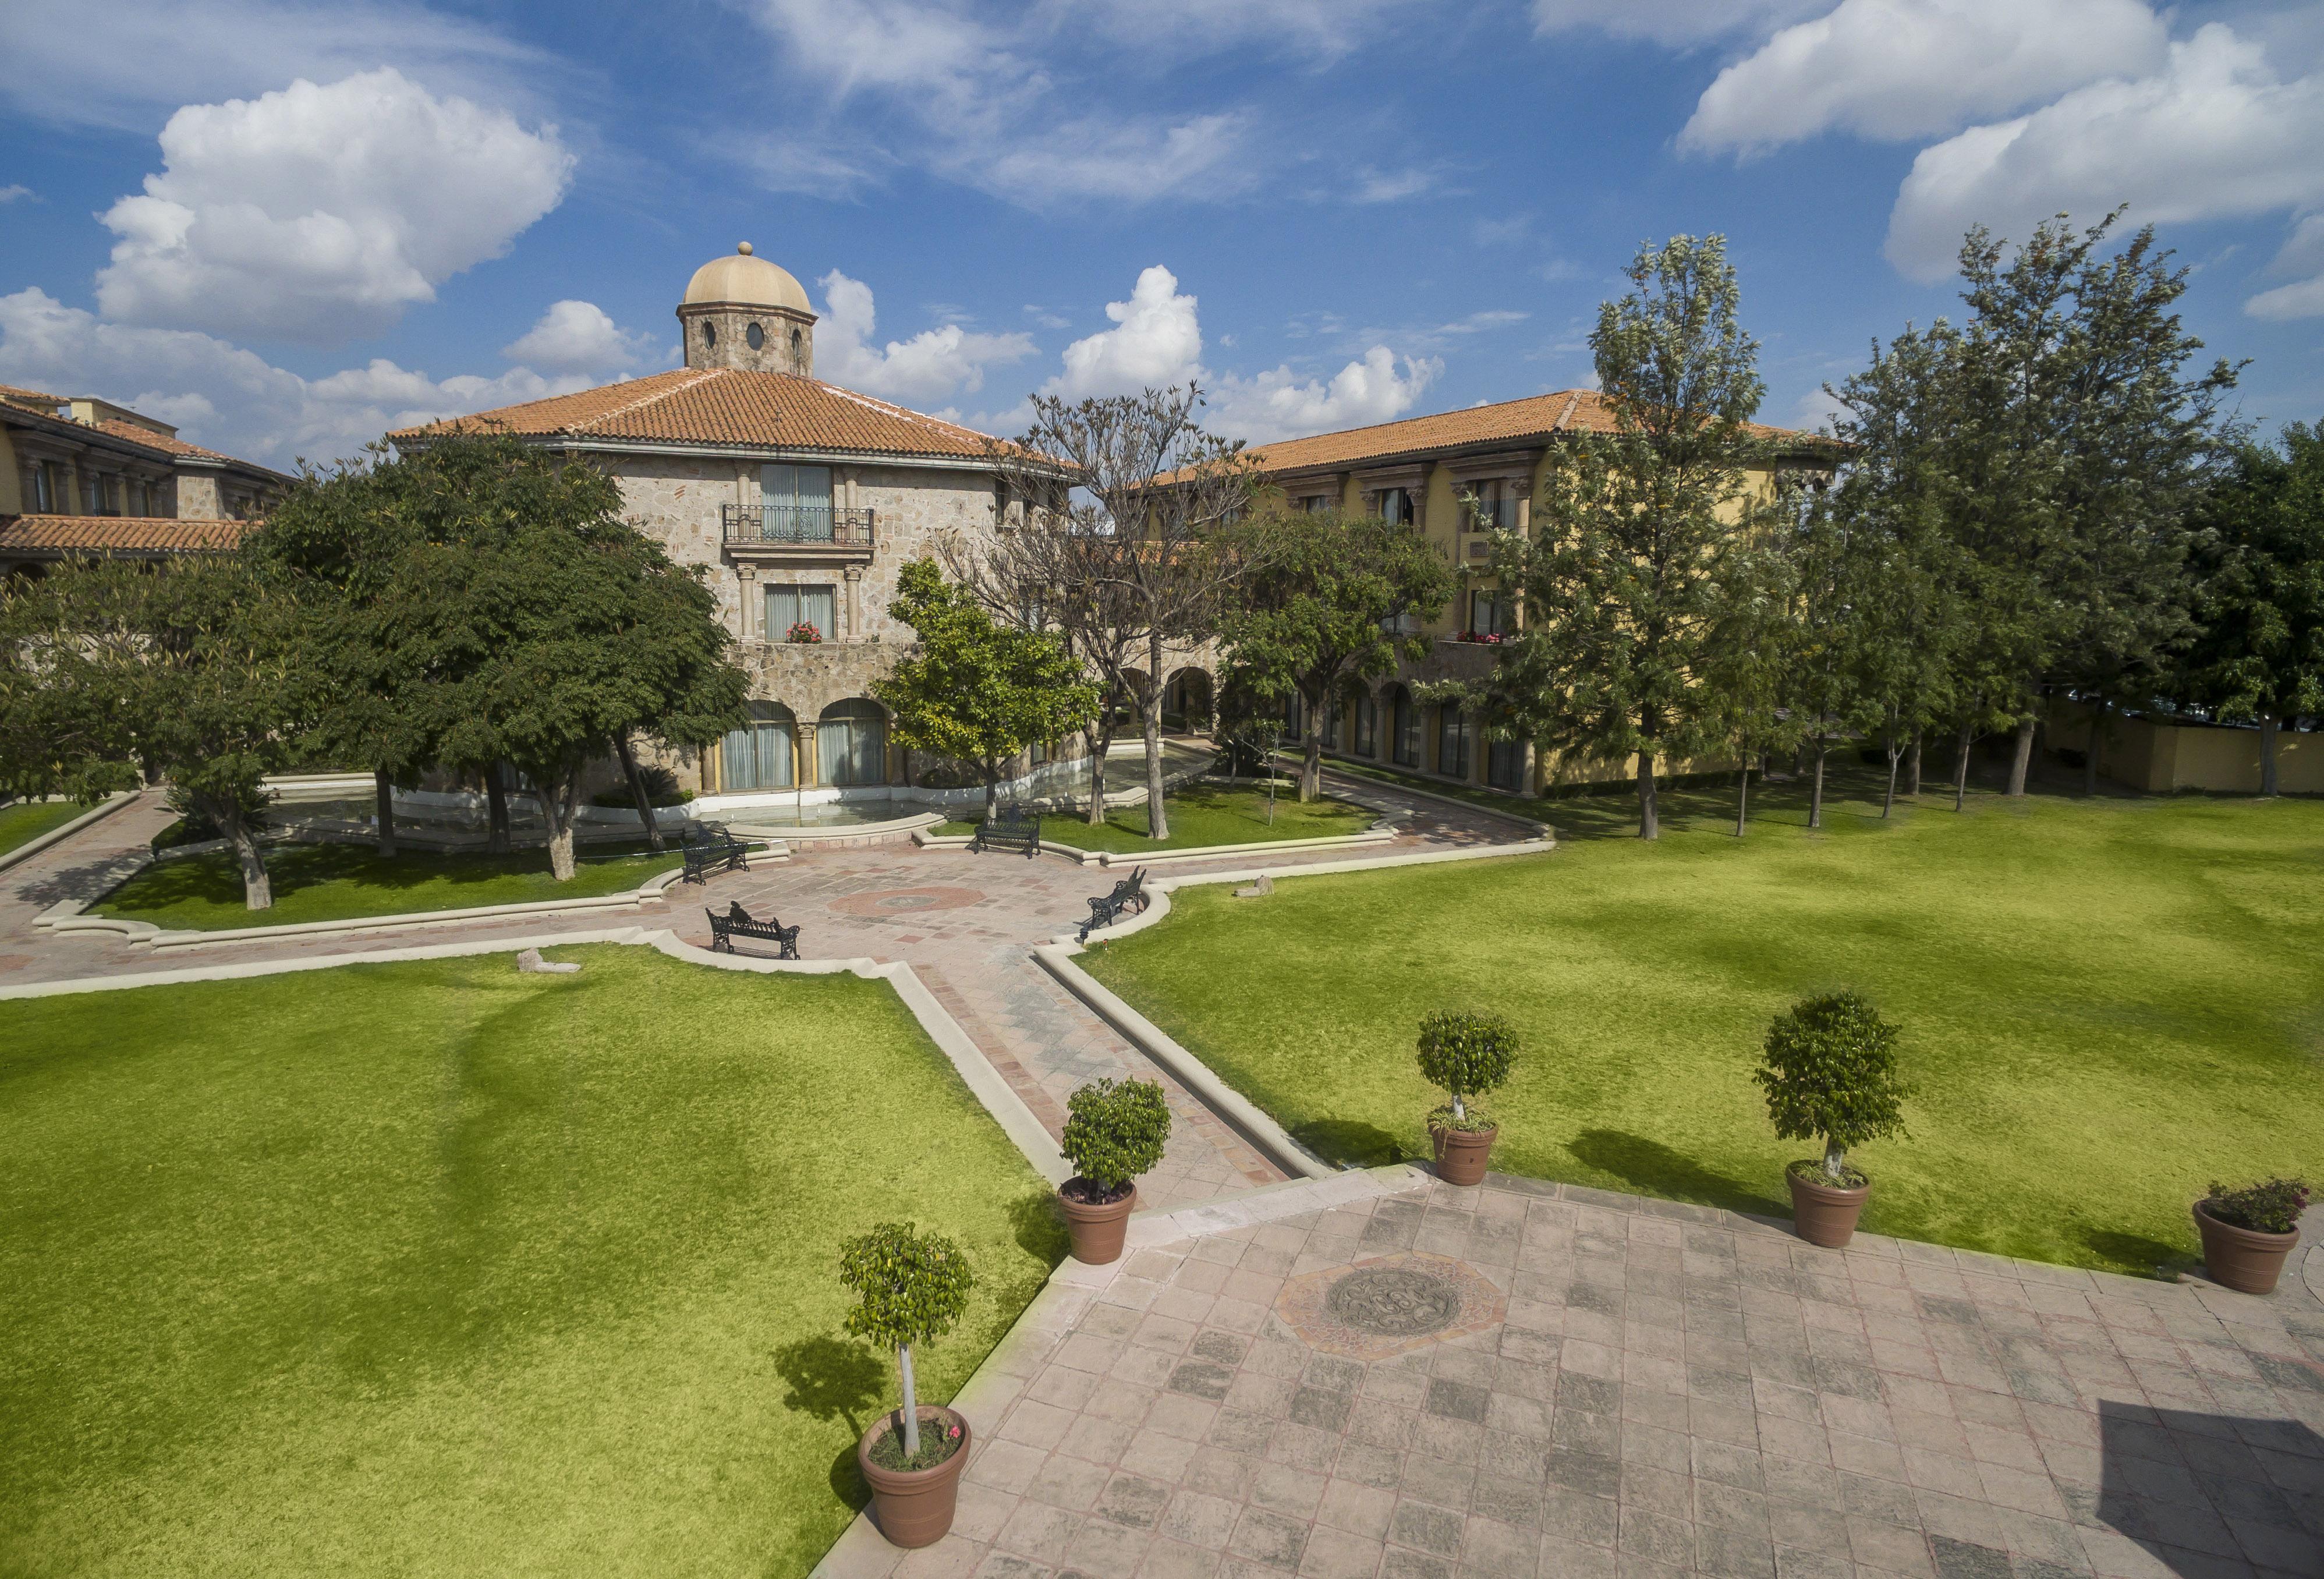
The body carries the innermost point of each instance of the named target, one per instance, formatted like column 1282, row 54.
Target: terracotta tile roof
column 17, row 395
column 1521, row 422
column 117, row 534
column 165, row 443
column 727, row 406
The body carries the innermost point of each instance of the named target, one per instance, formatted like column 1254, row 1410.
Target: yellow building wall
column 2161, row 757
column 12, row 481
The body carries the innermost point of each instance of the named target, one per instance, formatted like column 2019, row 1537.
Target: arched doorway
column 1187, row 702
column 762, row 755
column 1404, row 742
column 851, row 743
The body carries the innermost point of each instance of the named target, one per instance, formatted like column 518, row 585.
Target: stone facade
column 718, row 335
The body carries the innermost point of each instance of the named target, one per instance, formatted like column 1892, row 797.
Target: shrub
column 1830, row 1072
column 2271, row 1206
column 1115, row 1130
column 911, row 1287
column 1467, row 1054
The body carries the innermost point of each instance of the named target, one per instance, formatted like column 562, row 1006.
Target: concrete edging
column 58, row 834
column 1400, row 787
column 67, row 919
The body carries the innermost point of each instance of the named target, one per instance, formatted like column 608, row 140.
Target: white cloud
column 2303, row 253
column 1277, row 404
column 1670, row 22
column 933, row 364
column 1135, row 161
column 576, row 337
column 1384, row 186
column 1157, row 341
column 231, row 398
column 1323, row 29
column 1896, row 68
column 10, row 194
column 2216, row 134
column 145, row 55
column 320, row 213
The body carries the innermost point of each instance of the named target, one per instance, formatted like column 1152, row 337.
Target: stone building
column 802, row 502
column 82, row 476
column 1427, row 470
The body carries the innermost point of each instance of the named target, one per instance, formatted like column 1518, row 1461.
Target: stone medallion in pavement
column 1376, row 1309
column 906, row 902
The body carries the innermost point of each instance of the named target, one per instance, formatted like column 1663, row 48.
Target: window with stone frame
column 789, row 608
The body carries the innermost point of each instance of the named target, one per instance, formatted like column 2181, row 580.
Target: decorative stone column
column 853, row 576
column 747, row 580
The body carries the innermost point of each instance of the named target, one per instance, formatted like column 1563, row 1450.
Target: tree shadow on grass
column 1653, row 1169
column 828, row 1378
column 1039, row 1227
column 1346, row 1141
column 2135, row 1252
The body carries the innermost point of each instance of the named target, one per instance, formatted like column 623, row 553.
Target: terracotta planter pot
column 914, row 1507
column 1098, row 1230
column 1823, row 1214
column 2243, row 1258
column 1462, row 1155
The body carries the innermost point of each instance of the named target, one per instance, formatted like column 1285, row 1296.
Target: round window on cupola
column 756, row 336
column 709, row 333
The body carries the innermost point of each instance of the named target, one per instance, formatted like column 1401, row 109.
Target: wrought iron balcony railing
column 806, row 525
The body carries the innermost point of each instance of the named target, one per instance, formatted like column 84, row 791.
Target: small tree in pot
column 1115, row 1130
column 2248, row 1232
column 1467, row 1054
column 911, row 1287
column 1830, row 1072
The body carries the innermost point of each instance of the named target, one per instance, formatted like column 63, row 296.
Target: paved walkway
column 1521, row 1380
column 964, row 922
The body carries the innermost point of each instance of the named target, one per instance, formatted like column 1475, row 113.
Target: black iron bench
column 1011, row 828
column 711, row 848
column 738, row 922
column 1106, row 909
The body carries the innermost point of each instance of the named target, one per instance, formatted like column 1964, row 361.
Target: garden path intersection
column 1377, row 1376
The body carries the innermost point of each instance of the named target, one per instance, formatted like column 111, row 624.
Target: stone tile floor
column 1671, row 1391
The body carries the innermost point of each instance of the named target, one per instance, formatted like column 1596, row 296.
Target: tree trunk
column 637, row 778
column 991, row 785
column 1743, row 799
column 1960, row 767
column 496, row 838
column 1914, row 772
column 2090, row 755
column 1149, row 710
column 382, row 789
column 911, row 1403
column 1311, row 771
column 1649, row 820
column 1835, row 1161
column 257, row 890
column 1101, row 741
column 557, row 804
column 1816, row 795
column 1888, row 802
column 2023, row 757
column 2268, row 728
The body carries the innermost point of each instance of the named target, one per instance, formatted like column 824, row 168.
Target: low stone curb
column 58, row 835
column 1400, row 787
column 1380, row 833
column 66, row 919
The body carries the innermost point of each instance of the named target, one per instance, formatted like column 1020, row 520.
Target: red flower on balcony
column 805, row 633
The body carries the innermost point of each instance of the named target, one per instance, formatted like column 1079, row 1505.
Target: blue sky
column 288, row 227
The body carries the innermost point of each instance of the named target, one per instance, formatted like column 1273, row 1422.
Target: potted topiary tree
column 911, row 1287
column 1830, row 1072
column 1467, row 1054
column 1115, row 1130
column 2248, row 1232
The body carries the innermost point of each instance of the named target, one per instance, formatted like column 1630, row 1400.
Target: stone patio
column 1669, row 1391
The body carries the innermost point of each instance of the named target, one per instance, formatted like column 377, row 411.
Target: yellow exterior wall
column 2161, row 757
column 12, row 482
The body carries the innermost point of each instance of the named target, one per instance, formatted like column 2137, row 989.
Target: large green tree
column 2260, row 559
column 1622, row 580
column 188, row 668
column 975, row 689
column 1337, row 600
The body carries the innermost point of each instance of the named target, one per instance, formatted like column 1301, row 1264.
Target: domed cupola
column 743, row 311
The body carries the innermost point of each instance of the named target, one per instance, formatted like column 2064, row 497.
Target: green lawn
column 437, row 1268
column 2105, row 1004
column 22, row 821
column 1205, row 814
column 338, row 882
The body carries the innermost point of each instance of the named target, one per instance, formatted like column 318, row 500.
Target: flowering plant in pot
column 1467, row 1054
column 1830, row 1071
column 1115, row 1130
column 805, row 633
column 2248, row 1232
column 911, row 1287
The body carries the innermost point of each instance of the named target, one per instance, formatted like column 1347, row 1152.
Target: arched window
column 709, row 332
column 761, row 756
column 1367, row 725
column 754, row 336
column 1404, row 734
column 851, row 743
column 798, row 341
column 1456, row 736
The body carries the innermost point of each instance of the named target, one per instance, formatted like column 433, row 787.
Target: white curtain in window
column 760, row 757
column 790, row 606
column 795, row 502
column 851, row 744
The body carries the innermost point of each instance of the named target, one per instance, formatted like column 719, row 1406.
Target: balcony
column 796, row 533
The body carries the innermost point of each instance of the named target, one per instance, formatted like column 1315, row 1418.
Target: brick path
column 1660, row 1389
column 964, row 922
